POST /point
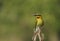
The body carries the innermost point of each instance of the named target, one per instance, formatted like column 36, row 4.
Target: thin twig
column 38, row 32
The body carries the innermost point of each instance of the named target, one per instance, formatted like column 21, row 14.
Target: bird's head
column 38, row 16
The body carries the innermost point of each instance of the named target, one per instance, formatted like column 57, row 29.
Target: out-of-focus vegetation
column 17, row 20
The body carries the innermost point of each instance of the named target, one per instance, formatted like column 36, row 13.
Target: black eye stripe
column 38, row 17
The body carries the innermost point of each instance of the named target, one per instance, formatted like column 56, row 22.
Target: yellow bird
column 39, row 21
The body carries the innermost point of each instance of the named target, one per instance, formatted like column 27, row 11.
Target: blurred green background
column 17, row 20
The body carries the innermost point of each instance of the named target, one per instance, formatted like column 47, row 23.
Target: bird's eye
column 38, row 17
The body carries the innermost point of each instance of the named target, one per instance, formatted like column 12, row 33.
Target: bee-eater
column 39, row 21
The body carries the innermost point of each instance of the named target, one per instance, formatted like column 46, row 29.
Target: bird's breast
column 39, row 21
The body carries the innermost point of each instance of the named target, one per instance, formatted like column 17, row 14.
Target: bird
column 39, row 20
